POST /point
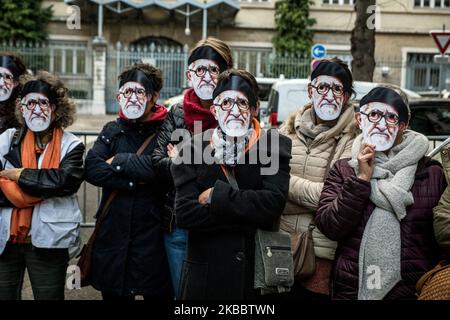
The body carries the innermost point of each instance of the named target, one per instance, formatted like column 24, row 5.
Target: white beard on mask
column 228, row 150
column 326, row 107
column 378, row 134
column 132, row 107
column 37, row 120
column 203, row 86
column 5, row 93
column 233, row 122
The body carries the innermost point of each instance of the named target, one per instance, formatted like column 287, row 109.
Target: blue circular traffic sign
column 318, row 51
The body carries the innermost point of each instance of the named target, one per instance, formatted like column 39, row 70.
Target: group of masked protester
column 182, row 212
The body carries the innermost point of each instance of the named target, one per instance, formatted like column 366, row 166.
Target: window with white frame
column 432, row 3
column 339, row 2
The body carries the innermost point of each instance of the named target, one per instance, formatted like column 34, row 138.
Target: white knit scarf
column 391, row 182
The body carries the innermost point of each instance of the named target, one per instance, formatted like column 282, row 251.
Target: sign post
column 442, row 40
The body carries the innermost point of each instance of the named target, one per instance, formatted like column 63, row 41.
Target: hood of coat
column 346, row 124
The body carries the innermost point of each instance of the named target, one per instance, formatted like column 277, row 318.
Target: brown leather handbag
column 303, row 254
column 435, row 284
column 303, row 242
column 85, row 260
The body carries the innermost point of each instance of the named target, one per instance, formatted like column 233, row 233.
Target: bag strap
column 113, row 194
column 229, row 174
column 330, row 159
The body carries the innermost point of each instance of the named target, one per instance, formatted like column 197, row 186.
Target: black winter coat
column 160, row 158
column 129, row 256
column 221, row 238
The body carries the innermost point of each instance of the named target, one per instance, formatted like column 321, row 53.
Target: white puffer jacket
column 308, row 166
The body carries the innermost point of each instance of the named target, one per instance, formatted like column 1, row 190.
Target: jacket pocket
column 193, row 280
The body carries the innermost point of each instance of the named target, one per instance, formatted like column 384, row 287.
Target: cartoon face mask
column 132, row 100
column 7, row 84
column 327, row 97
column 37, row 111
column 204, row 75
column 379, row 125
column 233, row 113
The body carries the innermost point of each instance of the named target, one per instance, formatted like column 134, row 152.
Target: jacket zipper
column 282, row 248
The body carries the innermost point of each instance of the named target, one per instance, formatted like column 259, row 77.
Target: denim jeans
column 175, row 243
column 46, row 268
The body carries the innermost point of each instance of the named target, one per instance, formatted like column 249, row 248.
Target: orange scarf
column 24, row 203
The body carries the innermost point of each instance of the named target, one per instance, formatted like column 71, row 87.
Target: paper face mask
column 379, row 125
column 327, row 97
column 37, row 111
column 204, row 75
column 6, row 84
column 132, row 100
column 233, row 113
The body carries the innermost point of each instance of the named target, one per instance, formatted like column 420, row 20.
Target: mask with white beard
column 204, row 83
column 233, row 122
column 132, row 100
column 37, row 111
column 7, row 84
column 380, row 133
column 327, row 106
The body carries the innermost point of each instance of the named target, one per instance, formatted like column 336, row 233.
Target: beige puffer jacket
column 441, row 218
column 308, row 166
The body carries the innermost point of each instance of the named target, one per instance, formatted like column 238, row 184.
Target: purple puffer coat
column 344, row 210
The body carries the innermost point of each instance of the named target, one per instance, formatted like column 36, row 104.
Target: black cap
column 207, row 52
column 329, row 68
column 390, row 97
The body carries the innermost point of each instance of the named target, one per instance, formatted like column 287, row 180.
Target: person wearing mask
column 322, row 132
column 225, row 198
column 378, row 205
column 41, row 172
column 209, row 57
column 11, row 68
column 128, row 257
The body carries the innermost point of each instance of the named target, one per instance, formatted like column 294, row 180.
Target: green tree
column 293, row 27
column 24, row 20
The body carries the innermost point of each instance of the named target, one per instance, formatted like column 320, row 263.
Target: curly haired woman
column 42, row 169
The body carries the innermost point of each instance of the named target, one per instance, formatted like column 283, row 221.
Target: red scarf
column 159, row 114
column 193, row 111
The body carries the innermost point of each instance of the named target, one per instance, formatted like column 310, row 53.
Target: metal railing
column 71, row 61
column 89, row 196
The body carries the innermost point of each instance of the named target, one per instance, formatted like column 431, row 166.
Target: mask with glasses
column 322, row 88
column 375, row 116
column 200, row 71
column 228, row 103
column 7, row 77
column 139, row 92
column 31, row 104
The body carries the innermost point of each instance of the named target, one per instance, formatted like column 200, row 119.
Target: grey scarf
column 306, row 125
column 392, row 180
column 228, row 150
